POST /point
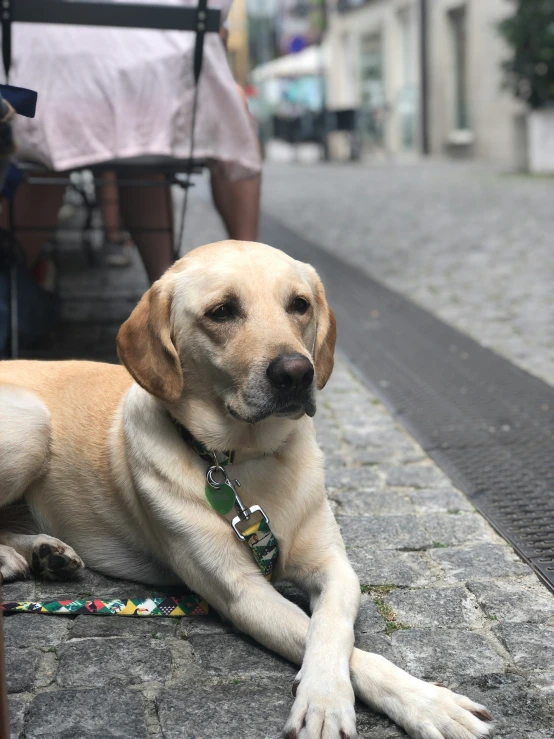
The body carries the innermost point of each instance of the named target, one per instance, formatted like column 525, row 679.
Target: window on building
column 407, row 104
column 372, row 89
column 458, row 36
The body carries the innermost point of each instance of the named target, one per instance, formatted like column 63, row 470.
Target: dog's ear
column 145, row 346
column 324, row 349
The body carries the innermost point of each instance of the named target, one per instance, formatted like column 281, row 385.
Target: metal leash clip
column 243, row 512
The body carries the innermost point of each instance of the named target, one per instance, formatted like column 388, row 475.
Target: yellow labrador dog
column 231, row 344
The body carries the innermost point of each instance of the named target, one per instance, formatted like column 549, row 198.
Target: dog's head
column 241, row 326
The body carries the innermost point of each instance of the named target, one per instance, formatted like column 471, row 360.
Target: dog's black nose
column 291, row 372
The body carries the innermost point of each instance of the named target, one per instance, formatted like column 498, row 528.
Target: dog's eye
column 222, row 312
column 299, row 305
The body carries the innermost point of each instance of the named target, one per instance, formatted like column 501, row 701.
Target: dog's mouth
column 293, row 408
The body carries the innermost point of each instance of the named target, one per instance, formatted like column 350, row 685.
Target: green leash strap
column 185, row 605
column 259, row 538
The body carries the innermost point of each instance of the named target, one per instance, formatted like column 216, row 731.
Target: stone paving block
column 373, row 455
column 18, row 590
column 376, row 726
column 518, row 711
column 437, row 500
column 369, row 619
column 17, row 705
column 380, row 532
column 403, row 569
column 373, row 503
column 543, row 681
column 452, row 530
column 109, row 713
column 203, row 625
column 415, row 476
column 531, row 645
column 94, row 626
column 445, row 608
column 235, row 654
column 478, row 562
column 99, row 662
column 352, row 478
column 30, row 630
column 386, row 437
column 248, row 710
column 87, row 584
column 509, row 601
column 335, row 461
column 47, row 668
column 379, row 644
column 445, row 654
column 21, row 668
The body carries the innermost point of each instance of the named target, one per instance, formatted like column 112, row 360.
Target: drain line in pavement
column 487, row 423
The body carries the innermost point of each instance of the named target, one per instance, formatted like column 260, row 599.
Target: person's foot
column 117, row 253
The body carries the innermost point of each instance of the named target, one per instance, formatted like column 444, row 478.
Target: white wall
column 492, row 110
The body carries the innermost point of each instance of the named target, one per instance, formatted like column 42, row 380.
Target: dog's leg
column 424, row 710
column 24, row 441
column 208, row 559
column 24, row 445
column 12, row 565
column 47, row 557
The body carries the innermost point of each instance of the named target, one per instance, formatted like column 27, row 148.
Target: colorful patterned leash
column 222, row 496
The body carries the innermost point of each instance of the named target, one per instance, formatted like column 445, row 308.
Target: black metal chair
column 200, row 20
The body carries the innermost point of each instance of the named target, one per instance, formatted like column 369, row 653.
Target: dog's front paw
column 12, row 565
column 322, row 710
column 53, row 560
column 430, row 711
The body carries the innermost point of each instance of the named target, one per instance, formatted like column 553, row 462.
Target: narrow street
column 442, row 594
column 471, row 244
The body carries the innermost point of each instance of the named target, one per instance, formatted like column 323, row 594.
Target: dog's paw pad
column 55, row 560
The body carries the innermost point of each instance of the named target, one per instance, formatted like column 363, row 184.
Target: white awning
column 303, row 64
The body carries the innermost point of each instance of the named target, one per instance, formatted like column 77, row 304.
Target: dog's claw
column 483, row 714
column 294, row 688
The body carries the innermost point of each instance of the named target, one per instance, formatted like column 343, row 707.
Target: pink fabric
column 107, row 93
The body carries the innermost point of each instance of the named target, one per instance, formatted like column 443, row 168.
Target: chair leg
column 14, row 312
column 14, row 303
column 90, row 205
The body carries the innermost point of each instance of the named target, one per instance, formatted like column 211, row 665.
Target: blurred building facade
column 373, row 67
column 425, row 75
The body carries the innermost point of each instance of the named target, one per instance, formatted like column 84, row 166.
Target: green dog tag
column 221, row 500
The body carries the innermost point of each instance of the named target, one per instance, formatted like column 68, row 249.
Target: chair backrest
column 96, row 13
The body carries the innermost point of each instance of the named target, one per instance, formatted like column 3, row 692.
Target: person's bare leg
column 150, row 208
column 238, row 203
column 35, row 206
column 109, row 204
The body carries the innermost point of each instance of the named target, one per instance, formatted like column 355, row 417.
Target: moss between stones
column 385, row 610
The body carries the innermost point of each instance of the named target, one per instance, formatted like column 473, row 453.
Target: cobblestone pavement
column 472, row 245
column 443, row 595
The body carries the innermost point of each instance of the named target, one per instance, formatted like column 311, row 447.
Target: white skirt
column 109, row 93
